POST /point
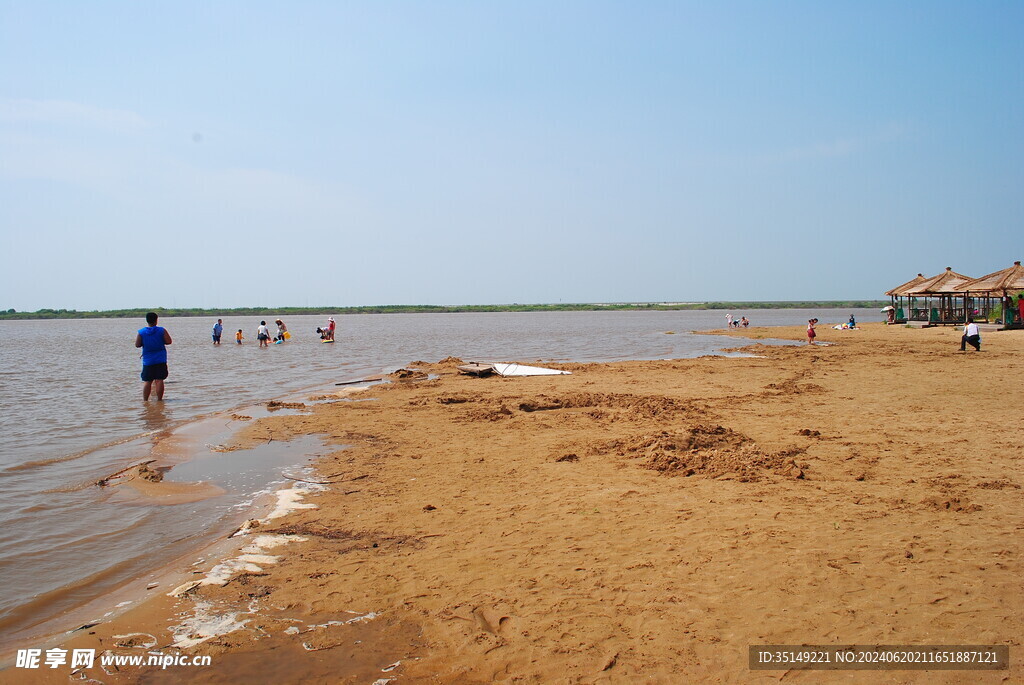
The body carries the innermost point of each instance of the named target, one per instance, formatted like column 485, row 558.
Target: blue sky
column 336, row 153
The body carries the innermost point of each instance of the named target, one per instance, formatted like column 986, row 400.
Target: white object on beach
column 513, row 369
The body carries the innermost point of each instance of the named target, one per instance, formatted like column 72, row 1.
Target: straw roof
column 902, row 290
column 1000, row 281
column 947, row 283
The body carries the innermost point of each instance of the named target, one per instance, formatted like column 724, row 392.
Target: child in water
column 238, row 336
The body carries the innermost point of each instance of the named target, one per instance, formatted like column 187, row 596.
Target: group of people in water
column 733, row 322
column 154, row 339
column 264, row 337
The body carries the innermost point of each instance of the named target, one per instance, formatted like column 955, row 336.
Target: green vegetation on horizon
column 432, row 309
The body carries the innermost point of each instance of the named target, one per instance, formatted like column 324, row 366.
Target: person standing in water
column 218, row 328
column 153, row 340
column 263, row 334
column 281, row 330
column 330, row 328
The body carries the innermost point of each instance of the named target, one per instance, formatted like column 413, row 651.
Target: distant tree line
column 433, row 309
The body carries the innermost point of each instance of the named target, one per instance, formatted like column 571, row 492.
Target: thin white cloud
column 842, row 147
column 68, row 113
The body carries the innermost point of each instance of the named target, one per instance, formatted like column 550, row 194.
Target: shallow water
column 71, row 413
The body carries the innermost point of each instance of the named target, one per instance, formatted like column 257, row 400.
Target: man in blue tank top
column 153, row 340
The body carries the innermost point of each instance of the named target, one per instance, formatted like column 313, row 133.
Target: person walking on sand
column 263, row 334
column 218, row 328
column 153, row 340
column 971, row 336
column 810, row 331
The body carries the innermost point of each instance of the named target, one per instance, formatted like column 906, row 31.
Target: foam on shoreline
column 206, row 620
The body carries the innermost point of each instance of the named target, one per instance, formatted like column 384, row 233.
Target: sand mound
column 408, row 375
column 708, row 450
column 274, row 405
column 957, row 504
column 152, row 475
column 495, row 414
column 791, row 388
column 640, row 406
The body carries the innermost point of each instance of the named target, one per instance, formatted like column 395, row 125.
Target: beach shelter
column 897, row 295
column 985, row 292
column 943, row 298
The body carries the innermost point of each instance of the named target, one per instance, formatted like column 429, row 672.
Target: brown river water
column 71, row 413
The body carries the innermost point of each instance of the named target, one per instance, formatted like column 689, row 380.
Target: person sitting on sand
column 744, row 322
column 853, row 321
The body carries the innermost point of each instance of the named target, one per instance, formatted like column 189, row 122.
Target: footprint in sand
column 489, row 620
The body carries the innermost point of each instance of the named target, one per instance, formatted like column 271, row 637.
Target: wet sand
column 631, row 521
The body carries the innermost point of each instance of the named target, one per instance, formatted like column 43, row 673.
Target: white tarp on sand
column 513, row 369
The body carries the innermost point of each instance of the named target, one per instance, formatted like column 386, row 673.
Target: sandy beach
column 634, row 521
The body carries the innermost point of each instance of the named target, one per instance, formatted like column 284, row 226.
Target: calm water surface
column 71, row 413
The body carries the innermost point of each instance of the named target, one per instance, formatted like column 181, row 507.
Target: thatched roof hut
column 936, row 300
column 999, row 282
column 953, row 298
column 948, row 282
column 902, row 290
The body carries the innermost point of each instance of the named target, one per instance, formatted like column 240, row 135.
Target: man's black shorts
column 154, row 372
